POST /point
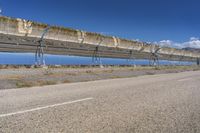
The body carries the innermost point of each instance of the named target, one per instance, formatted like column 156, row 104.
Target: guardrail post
column 96, row 57
column 198, row 61
column 39, row 54
column 154, row 57
column 131, row 58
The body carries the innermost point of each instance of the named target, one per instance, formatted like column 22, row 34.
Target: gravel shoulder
column 28, row 77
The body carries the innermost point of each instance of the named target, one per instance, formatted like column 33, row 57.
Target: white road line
column 186, row 79
column 44, row 107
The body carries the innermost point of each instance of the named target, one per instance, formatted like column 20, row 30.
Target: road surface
column 154, row 103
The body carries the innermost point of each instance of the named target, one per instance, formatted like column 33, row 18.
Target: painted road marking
column 45, row 107
column 185, row 79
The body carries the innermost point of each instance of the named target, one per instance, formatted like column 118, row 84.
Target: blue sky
column 147, row 20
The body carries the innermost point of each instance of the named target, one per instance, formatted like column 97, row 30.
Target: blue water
column 29, row 59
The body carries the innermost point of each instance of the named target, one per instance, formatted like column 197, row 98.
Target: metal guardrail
column 18, row 35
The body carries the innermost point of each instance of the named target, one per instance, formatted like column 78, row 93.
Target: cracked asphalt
column 148, row 104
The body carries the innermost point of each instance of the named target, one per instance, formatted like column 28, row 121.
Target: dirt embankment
column 27, row 77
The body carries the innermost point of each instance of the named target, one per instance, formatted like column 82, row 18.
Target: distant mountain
column 192, row 49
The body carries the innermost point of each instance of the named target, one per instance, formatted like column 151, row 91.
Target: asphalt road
column 168, row 103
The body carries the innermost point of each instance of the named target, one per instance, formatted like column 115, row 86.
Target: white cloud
column 169, row 43
column 194, row 38
column 192, row 43
column 165, row 43
column 136, row 39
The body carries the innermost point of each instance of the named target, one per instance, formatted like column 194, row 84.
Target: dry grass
column 22, row 83
column 115, row 77
column 66, row 81
column 91, row 72
column 88, row 71
column 48, row 72
column 109, row 71
column 51, row 77
column 12, row 77
column 150, row 73
column 60, row 74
